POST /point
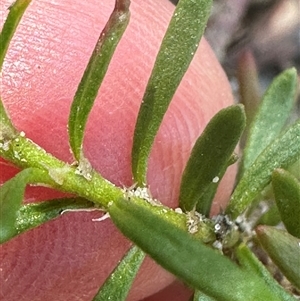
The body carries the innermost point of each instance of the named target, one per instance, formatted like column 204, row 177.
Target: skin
column 69, row 258
column 176, row 291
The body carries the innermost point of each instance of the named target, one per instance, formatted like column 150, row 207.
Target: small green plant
column 213, row 256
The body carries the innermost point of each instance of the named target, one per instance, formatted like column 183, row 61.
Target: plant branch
column 62, row 176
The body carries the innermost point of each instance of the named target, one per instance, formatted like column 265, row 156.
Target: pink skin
column 69, row 258
column 176, row 291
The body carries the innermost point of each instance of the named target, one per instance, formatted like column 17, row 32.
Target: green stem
column 59, row 175
column 62, row 176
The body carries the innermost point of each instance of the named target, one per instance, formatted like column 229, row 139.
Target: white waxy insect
column 215, row 179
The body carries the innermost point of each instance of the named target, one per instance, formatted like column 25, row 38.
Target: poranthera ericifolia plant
column 214, row 256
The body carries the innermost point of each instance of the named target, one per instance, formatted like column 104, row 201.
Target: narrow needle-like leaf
column 7, row 130
column 284, row 250
column 118, row 284
column 35, row 214
column 11, row 196
column 209, row 158
column 281, row 153
column 176, row 52
column 287, row 195
column 204, row 205
column 16, row 11
column 177, row 251
column 249, row 261
column 272, row 115
column 94, row 74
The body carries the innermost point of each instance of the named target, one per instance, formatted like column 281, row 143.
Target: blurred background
column 255, row 40
column 270, row 29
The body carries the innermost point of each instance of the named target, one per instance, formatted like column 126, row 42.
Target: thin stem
column 59, row 175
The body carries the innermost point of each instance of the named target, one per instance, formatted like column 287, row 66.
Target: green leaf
column 271, row 116
column 204, row 205
column 7, row 130
column 271, row 217
column 11, row 197
column 16, row 11
column 209, row 158
column 94, row 74
column 284, row 250
column 199, row 296
column 118, row 284
column 294, row 169
column 190, row 260
column 281, row 153
column 176, row 52
column 287, row 195
column 249, row 261
column 35, row 214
